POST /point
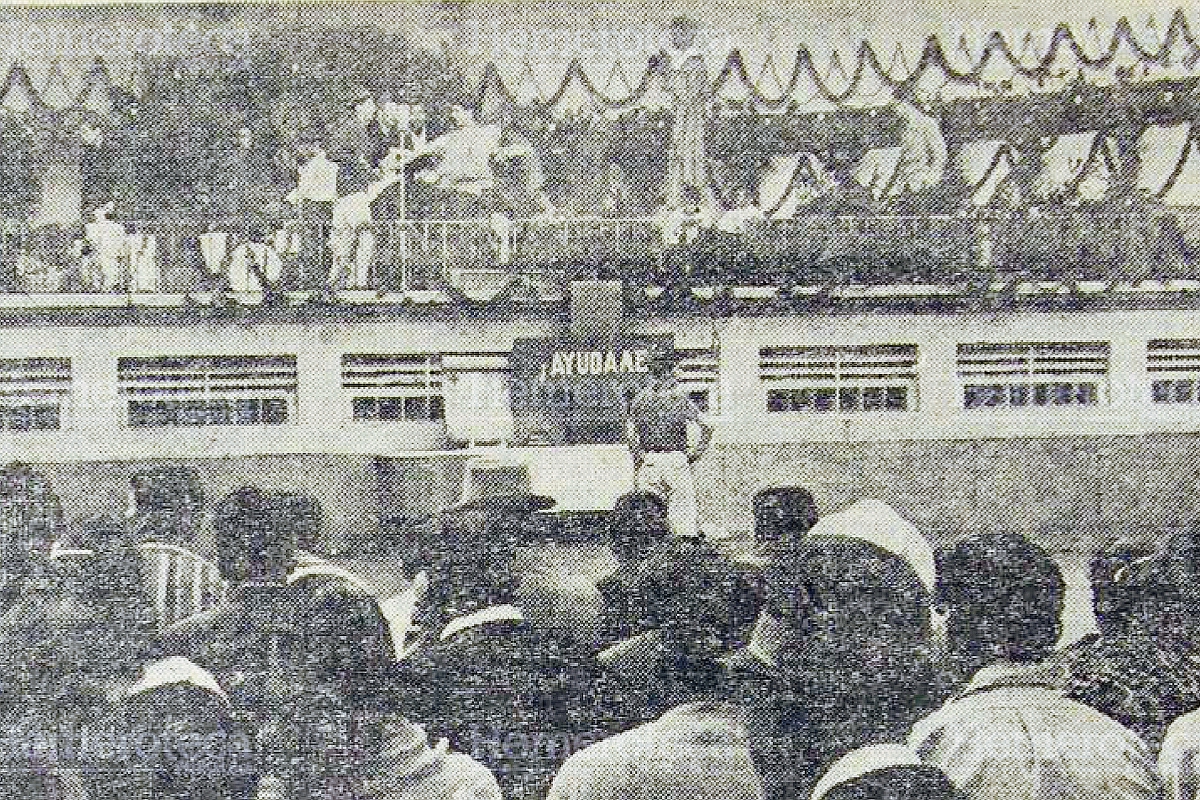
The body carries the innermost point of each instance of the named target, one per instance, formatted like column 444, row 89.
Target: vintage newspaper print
column 600, row 400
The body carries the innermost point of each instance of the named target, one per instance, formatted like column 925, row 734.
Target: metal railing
column 478, row 254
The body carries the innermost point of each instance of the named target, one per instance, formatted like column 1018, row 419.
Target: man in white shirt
column 352, row 236
column 110, row 250
column 313, row 197
column 464, row 171
column 661, row 419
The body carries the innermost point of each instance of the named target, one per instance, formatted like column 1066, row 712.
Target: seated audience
column 31, row 519
column 514, row 661
column 857, row 661
column 1010, row 732
column 699, row 750
column 849, row 676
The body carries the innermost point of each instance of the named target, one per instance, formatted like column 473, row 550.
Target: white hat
column 861, row 762
column 174, row 670
column 874, row 521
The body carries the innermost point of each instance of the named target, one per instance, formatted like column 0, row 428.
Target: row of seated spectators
column 481, row 654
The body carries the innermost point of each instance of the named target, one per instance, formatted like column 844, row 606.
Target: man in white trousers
column 667, row 434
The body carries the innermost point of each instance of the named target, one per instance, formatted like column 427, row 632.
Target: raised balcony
column 190, row 262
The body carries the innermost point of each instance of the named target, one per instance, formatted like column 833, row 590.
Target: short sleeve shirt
column 661, row 419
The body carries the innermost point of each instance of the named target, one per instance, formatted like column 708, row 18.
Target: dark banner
column 567, row 391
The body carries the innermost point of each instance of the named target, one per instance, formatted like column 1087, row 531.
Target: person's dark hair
column 252, row 540
column 859, row 592
column 302, row 519
column 167, row 489
column 1003, row 596
column 783, row 514
column 915, row 782
column 1114, row 595
column 177, row 717
column 638, row 520
column 1163, row 590
column 857, row 658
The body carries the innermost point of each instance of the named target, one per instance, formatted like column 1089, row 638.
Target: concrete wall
column 1065, row 492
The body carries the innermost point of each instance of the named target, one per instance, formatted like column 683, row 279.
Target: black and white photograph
column 599, row 400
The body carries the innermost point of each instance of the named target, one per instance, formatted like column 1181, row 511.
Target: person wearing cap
column 1003, row 598
column 661, row 423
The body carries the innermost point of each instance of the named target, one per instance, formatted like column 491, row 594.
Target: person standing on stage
column 661, row 423
column 688, row 83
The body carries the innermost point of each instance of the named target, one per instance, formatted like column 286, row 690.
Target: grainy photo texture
column 600, row 400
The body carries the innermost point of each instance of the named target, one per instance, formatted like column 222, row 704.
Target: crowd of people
column 484, row 653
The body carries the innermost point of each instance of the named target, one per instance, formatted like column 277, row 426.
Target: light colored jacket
column 999, row 740
column 697, row 751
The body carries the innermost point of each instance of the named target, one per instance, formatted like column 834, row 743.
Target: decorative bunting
column 807, row 94
column 837, row 82
column 768, row 85
column 732, row 86
column 968, row 73
column 528, row 92
column 18, row 95
column 897, row 71
column 617, row 88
